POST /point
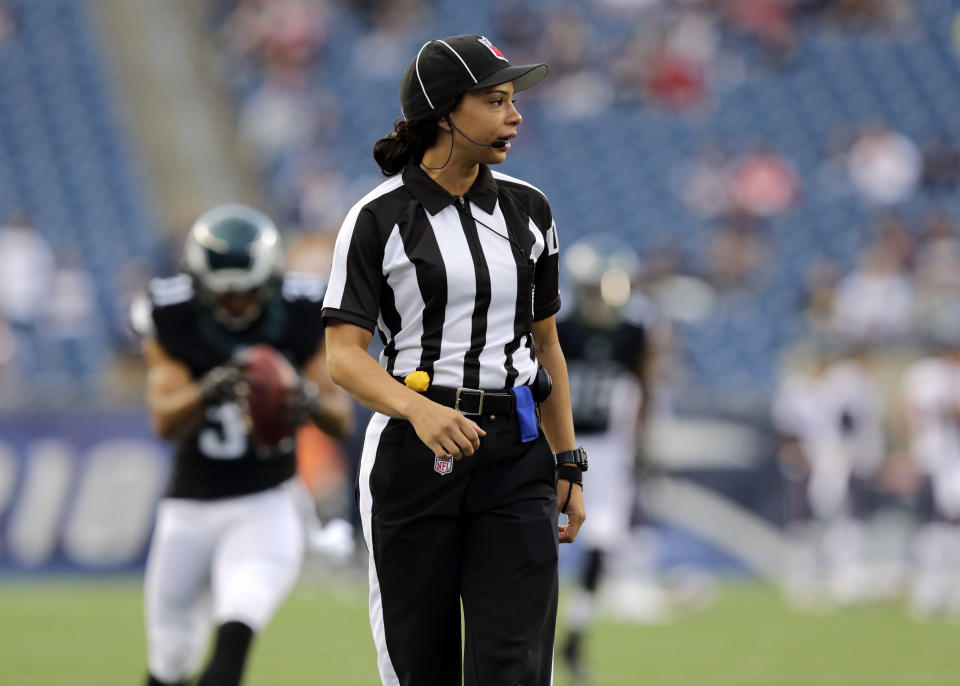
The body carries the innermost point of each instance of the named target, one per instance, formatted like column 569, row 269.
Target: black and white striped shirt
column 453, row 285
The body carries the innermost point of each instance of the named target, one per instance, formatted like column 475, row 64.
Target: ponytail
column 410, row 139
column 393, row 151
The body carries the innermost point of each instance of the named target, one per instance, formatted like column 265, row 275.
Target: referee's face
column 485, row 116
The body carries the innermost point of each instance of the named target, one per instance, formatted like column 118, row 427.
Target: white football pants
column 217, row 561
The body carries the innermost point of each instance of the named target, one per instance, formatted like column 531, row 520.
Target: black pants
column 485, row 534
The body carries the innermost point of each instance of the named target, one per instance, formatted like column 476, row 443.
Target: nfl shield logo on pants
column 442, row 466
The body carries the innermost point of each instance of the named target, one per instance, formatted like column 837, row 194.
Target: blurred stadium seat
column 66, row 162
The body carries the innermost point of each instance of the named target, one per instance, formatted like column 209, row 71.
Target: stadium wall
column 77, row 491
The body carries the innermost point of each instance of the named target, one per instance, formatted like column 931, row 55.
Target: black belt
column 472, row 401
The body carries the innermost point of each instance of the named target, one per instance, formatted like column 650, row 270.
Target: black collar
column 483, row 192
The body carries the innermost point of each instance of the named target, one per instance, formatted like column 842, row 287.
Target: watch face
column 578, row 457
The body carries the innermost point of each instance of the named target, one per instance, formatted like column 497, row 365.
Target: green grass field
column 58, row 633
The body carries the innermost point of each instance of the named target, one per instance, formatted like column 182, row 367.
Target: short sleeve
column 141, row 316
column 356, row 279
column 546, row 294
column 786, row 410
column 167, row 301
column 167, row 314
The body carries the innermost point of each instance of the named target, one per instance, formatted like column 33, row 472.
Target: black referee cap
column 443, row 69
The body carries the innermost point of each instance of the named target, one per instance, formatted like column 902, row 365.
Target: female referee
column 466, row 457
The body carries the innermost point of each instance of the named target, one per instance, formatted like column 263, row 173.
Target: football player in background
column 931, row 389
column 229, row 537
column 831, row 419
column 606, row 341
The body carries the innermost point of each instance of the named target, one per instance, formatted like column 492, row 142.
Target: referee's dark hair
column 411, row 138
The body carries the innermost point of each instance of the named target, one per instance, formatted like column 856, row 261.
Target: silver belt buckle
column 456, row 404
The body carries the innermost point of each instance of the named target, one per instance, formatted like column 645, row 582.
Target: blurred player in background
column 931, row 388
column 605, row 339
column 831, row 420
column 229, row 536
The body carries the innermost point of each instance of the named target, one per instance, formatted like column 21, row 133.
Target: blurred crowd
column 606, row 53
column 903, row 286
column 274, row 56
column 48, row 307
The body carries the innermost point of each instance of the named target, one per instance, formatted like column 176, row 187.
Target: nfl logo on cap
column 442, row 466
column 492, row 48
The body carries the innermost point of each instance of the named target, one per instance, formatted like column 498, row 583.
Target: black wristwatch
column 576, row 457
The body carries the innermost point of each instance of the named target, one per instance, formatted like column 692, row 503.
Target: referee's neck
column 456, row 179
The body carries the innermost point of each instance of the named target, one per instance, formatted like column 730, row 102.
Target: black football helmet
column 234, row 250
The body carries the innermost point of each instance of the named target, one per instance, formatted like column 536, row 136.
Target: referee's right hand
column 444, row 430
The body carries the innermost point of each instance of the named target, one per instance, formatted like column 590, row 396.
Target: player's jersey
column 837, row 415
column 218, row 459
column 606, row 398
column 601, row 364
column 931, row 389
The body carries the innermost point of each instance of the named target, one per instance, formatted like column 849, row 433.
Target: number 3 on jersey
column 225, row 437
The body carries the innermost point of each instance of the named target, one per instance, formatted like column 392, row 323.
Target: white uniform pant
column 609, row 488
column 216, row 561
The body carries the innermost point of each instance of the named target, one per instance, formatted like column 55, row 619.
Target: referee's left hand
column 576, row 513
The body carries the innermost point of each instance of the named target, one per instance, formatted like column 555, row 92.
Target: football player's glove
column 233, row 250
column 222, row 384
column 303, row 402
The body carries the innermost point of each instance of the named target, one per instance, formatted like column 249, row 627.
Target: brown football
column 271, row 377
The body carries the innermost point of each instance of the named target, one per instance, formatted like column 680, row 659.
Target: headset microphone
column 496, row 144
